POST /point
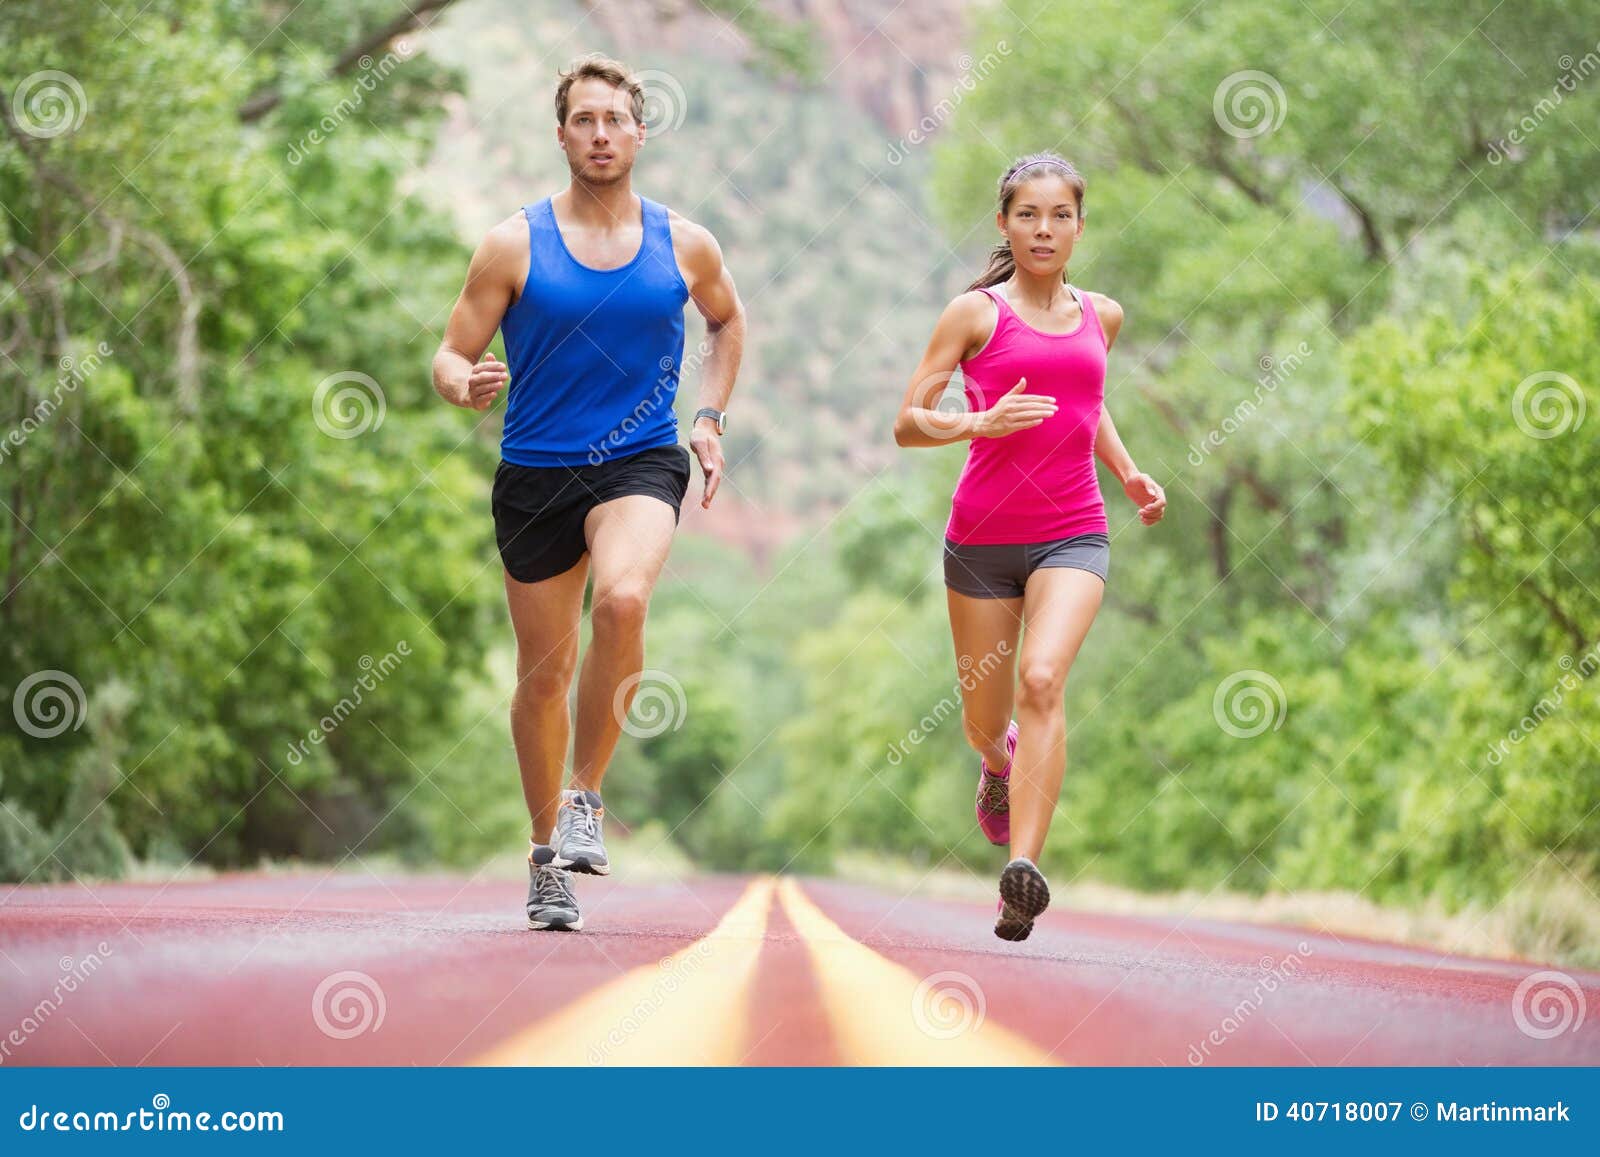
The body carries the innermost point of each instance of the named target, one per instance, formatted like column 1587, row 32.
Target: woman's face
column 1042, row 224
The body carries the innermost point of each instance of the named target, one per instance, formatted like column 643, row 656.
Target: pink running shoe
column 994, row 794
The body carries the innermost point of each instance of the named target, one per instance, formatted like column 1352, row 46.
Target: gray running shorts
column 1000, row 571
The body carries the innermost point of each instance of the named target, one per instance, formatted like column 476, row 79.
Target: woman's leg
column 985, row 633
column 1059, row 605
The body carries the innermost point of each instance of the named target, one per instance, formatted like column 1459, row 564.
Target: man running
column 588, row 288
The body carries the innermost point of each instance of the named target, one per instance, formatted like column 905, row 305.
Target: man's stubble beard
column 600, row 180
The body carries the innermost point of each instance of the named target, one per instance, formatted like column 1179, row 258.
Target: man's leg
column 546, row 616
column 628, row 542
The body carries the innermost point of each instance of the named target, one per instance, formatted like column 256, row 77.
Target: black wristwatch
column 720, row 417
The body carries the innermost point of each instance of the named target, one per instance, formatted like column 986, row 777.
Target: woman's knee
column 1041, row 686
column 984, row 734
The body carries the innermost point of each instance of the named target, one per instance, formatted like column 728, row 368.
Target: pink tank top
column 1040, row 484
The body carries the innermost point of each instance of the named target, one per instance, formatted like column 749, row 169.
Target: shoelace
column 994, row 793
column 551, row 885
column 588, row 818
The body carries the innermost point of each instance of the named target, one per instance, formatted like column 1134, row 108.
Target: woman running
column 1027, row 538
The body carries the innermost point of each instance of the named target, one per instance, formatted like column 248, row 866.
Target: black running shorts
column 539, row 510
column 1001, row 571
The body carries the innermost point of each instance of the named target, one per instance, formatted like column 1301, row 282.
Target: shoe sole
column 556, row 925
column 1025, row 895
column 583, row 866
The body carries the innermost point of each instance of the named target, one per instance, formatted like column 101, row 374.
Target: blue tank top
column 593, row 354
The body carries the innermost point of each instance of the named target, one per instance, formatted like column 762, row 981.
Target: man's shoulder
column 510, row 231
column 697, row 249
column 685, row 231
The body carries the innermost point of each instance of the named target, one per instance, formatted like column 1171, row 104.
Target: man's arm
column 458, row 376
column 712, row 290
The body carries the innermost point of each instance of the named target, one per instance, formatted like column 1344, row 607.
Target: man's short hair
column 597, row 67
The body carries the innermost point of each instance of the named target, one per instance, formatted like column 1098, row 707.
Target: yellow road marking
column 690, row 1009
column 885, row 1014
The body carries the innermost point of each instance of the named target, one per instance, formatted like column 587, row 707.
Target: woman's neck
column 1041, row 293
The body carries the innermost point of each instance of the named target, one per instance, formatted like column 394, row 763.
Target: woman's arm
column 1109, row 449
column 1138, row 486
column 919, row 423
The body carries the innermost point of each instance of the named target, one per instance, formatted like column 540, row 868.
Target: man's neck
column 604, row 206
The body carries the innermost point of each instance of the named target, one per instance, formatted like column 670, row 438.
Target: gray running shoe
column 1023, row 895
column 577, row 843
column 552, row 904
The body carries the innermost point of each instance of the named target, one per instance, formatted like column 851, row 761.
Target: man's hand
column 485, row 382
column 707, row 446
column 1150, row 498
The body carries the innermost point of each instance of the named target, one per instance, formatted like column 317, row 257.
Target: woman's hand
column 1015, row 410
column 1147, row 496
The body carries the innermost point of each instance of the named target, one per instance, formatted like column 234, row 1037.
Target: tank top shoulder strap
column 1005, row 315
column 1004, row 318
column 1090, row 312
column 657, row 227
column 541, row 219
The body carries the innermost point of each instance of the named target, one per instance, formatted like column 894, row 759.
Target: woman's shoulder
column 972, row 315
column 972, row 305
column 1108, row 309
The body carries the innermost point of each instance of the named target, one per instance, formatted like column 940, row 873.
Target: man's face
column 600, row 138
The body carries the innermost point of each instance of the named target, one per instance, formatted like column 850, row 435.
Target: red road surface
column 441, row 971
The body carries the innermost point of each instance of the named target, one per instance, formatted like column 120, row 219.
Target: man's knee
column 620, row 610
column 543, row 679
